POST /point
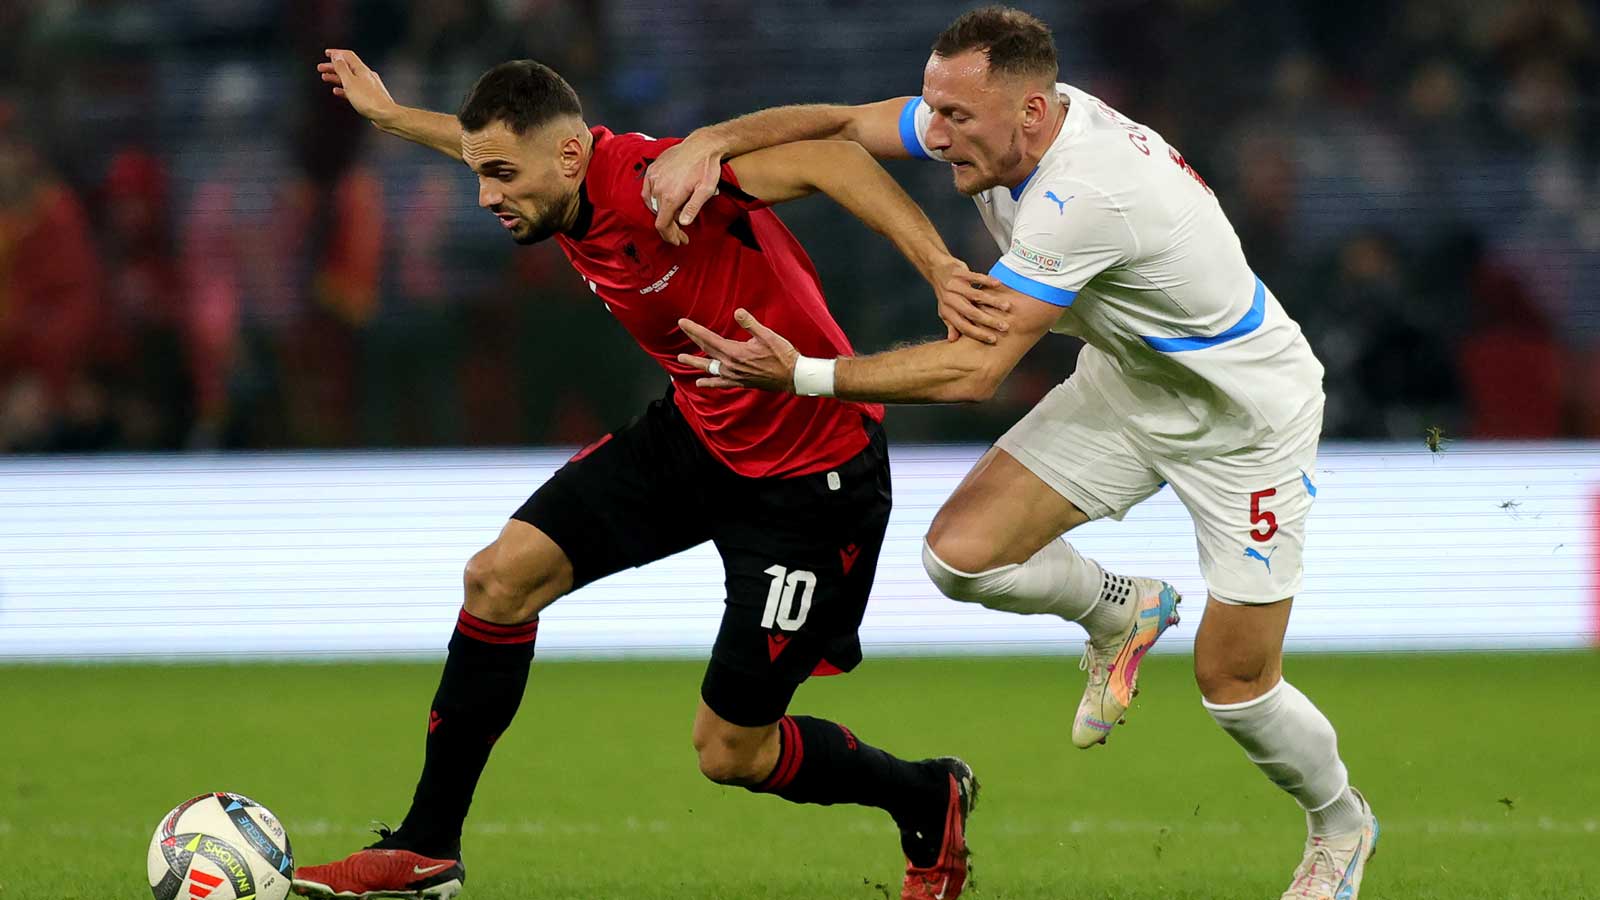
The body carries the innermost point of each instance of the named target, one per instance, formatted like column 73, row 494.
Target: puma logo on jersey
column 1253, row 553
column 1061, row 205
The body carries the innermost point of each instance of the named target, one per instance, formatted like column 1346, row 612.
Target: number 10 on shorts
column 789, row 590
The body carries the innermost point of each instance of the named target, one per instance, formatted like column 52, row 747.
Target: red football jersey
column 739, row 255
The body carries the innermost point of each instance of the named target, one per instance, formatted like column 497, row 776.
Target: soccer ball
column 220, row 846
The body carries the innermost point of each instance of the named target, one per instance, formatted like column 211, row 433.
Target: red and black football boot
column 945, row 879
column 383, row 870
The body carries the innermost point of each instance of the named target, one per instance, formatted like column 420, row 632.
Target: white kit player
column 1193, row 376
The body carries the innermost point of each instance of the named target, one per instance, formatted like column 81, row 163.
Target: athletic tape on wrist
column 814, row 377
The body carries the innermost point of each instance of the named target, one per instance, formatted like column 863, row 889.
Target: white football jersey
column 1184, row 341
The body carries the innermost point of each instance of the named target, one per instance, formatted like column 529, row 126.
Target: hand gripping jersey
column 739, row 255
column 1184, row 341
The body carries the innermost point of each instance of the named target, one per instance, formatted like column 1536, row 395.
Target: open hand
column 352, row 80
column 766, row 361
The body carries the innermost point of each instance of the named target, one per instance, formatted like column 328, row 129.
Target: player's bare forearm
column 684, row 177
column 960, row 371
column 872, row 125
column 850, row 177
column 438, row 131
column 855, row 181
column 935, row 372
column 776, row 125
column 351, row 78
column 941, row 372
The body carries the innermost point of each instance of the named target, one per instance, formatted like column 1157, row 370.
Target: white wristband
column 814, row 377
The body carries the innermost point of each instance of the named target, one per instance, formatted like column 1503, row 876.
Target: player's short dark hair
column 521, row 93
column 1016, row 43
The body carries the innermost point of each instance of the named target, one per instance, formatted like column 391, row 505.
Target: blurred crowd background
column 201, row 248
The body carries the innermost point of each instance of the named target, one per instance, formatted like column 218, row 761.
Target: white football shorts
column 1249, row 506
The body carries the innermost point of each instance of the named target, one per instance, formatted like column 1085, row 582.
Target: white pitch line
column 1511, row 825
column 1448, row 827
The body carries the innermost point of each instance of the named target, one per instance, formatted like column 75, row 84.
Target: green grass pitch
column 1484, row 769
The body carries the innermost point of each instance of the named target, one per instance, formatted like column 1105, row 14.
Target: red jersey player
column 793, row 491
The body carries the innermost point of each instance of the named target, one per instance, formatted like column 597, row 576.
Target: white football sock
column 1295, row 746
column 1110, row 616
column 1344, row 814
column 1056, row 580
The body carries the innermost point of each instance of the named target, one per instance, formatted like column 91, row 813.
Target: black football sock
column 823, row 762
column 479, row 692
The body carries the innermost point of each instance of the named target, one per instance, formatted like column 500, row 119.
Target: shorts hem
column 1234, row 599
column 744, row 697
column 1088, row 504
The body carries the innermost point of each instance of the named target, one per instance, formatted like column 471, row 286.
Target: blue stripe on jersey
column 1037, row 290
column 908, row 130
column 1250, row 322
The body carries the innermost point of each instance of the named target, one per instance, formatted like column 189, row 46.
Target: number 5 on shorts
column 788, row 588
column 1268, row 521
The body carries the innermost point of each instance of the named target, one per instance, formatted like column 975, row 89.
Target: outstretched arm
column 846, row 173
column 354, row 81
column 875, row 126
column 680, row 182
column 963, row 371
column 969, row 302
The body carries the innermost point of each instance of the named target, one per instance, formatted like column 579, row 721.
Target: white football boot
column 1113, row 661
column 1333, row 866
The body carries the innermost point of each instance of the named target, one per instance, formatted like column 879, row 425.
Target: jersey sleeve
column 1064, row 236
column 619, row 165
column 616, row 170
column 730, row 193
column 914, row 119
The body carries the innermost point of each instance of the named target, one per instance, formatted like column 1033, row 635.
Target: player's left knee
column 958, row 549
column 726, row 762
column 504, row 595
column 967, row 586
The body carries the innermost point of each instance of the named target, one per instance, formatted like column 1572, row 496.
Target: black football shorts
column 799, row 554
